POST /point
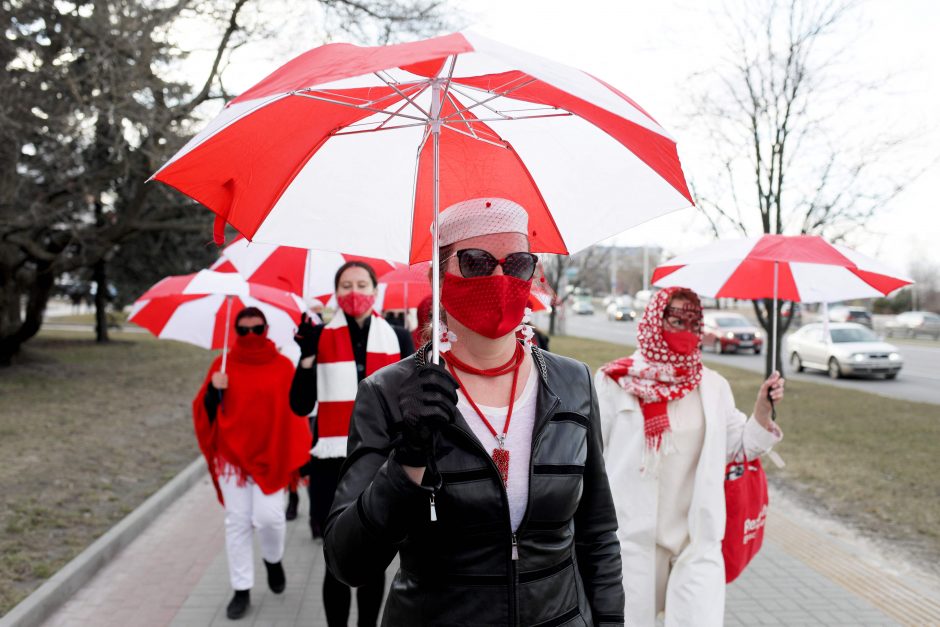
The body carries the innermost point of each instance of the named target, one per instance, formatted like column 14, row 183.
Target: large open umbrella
column 197, row 309
column 406, row 286
column 800, row 268
column 357, row 149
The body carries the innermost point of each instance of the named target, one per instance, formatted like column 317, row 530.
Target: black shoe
column 315, row 531
column 238, row 606
column 292, row 500
column 277, row 581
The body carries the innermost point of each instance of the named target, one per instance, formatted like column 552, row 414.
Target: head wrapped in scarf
column 656, row 374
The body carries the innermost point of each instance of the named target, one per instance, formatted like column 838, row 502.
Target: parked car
column 583, row 307
column 790, row 308
column 858, row 315
column 851, row 349
column 621, row 309
column 725, row 332
column 914, row 323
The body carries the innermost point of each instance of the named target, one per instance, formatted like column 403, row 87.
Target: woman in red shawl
column 253, row 444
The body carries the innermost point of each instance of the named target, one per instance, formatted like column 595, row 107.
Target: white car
column 852, row 349
column 583, row 307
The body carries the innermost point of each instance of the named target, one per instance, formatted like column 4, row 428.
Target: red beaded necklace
column 500, row 454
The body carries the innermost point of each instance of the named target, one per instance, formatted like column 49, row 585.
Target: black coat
column 460, row 569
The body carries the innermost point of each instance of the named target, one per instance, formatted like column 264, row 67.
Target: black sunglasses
column 258, row 329
column 475, row 262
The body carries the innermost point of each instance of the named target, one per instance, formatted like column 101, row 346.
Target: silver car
column 851, row 349
column 914, row 323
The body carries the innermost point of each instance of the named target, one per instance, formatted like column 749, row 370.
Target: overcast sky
column 648, row 48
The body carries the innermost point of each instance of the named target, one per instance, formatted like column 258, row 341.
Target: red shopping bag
column 746, row 505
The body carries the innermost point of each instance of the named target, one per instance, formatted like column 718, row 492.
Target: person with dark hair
column 484, row 473
column 253, row 444
column 334, row 358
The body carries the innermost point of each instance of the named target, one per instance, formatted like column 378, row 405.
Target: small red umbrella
column 309, row 273
column 198, row 308
column 406, row 286
column 800, row 268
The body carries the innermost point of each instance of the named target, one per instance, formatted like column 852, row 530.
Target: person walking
column 334, row 358
column 484, row 474
column 669, row 427
column 253, row 445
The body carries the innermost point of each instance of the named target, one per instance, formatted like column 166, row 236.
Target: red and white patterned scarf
column 337, row 381
column 656, row 375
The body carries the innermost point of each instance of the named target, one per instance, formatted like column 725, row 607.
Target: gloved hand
column 305, row 337
column 428, row 401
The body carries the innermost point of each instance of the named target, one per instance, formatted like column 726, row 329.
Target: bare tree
column 783, row 158
column 587, row 269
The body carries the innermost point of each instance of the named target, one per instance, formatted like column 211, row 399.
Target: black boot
column 292, row 500
column 276, row 578
column 315, row 530
column 238, row 606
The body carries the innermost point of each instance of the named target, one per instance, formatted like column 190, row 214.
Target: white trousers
column 248, row 508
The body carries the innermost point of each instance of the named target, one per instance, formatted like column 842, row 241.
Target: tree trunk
column 762, row 309
column 36, row 302
column 100, row 276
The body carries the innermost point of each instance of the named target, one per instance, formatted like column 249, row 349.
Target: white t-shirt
column 518, row 440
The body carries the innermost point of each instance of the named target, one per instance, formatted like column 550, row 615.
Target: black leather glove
column 428, row 401
column 306, row 338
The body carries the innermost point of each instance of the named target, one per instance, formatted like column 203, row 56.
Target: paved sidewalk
column 176, row 574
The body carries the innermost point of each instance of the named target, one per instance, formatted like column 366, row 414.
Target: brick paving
column 175, row 573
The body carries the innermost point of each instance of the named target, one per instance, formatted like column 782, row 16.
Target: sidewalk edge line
column 55, row 591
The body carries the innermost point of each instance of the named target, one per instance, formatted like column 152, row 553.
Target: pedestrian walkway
column 175, row 573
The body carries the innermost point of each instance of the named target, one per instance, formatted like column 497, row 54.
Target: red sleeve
column 206, row 430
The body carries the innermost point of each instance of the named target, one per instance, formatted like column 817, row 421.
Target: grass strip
column 87, row 432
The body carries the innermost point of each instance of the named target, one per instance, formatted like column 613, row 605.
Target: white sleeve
column 744, row 434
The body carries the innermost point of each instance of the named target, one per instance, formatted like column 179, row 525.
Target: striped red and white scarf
column 337, row 381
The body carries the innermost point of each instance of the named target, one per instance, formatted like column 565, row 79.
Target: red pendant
column 501, row 457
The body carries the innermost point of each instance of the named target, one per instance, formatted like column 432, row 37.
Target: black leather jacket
column 461, row 569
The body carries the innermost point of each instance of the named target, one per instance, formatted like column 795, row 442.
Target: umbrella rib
column 462, row 117
column 491, row 98
column 360, row 107
column 378, row 129
column 403, row 95
column 502, row 144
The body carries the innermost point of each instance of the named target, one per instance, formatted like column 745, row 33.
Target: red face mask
column 681, row 342
column 250, row 341
column 355, row 304
column 492, row 306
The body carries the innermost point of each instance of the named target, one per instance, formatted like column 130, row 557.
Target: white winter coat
column 695, row 594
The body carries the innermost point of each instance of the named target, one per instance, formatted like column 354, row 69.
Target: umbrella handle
column 435, row 240
column 228, row 318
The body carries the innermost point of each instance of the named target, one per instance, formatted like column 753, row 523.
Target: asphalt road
column 919, row 380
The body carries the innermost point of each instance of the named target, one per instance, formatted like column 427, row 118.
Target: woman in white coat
column 669, row 427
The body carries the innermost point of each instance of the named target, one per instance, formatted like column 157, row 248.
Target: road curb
column 45, row 600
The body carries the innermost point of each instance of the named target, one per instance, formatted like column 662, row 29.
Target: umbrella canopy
column 331, row 150
column 809, row 270
column 198, row 308
column 406, row 286
column 309, row 273
column 800, row 268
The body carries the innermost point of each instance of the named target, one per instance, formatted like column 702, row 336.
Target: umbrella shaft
column 435, row 243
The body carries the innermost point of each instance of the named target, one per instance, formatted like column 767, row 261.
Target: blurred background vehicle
column 851, row 349
column 858, row 315
column 914, row 323
column 621, row 308
column 725, row 332
column 583, row 307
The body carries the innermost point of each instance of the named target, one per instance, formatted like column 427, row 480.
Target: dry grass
column 87, row 433
column 869, row 460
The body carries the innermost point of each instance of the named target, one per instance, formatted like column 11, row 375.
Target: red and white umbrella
column 800, row 268
column 309, row 273
column 198, row 308
column 357, row 149
column 406, row 286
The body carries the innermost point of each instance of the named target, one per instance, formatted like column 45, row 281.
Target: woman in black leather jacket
column 494, row 496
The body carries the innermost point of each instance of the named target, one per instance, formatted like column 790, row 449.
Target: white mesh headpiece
column 481, row 216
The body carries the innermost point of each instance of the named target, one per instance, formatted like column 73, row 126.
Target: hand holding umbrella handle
column 771, row 392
